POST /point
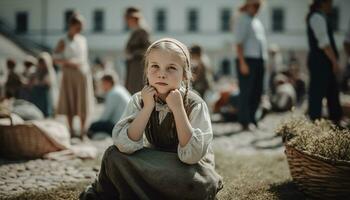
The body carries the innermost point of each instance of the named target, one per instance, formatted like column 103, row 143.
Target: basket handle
column 7, row 116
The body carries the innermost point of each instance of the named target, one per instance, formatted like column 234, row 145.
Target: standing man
column 251, row 50
column 135, row 49
column 322, row 62
column 347, row 51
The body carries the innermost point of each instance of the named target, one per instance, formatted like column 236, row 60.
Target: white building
column 205, row 22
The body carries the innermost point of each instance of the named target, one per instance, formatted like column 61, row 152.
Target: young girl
column 177, row 162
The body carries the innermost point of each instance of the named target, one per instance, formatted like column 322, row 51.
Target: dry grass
column 256, row 177
column 245, row 177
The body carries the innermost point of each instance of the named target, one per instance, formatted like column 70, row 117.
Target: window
column 98, row 20
column 192, row 20
column 21, row 22
column 277, row 20
column 226, row 66
column 67, row 16
column 334, row 17
column 161, row 20
column 225, row 19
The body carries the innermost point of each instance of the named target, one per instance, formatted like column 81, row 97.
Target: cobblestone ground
column 43, row 175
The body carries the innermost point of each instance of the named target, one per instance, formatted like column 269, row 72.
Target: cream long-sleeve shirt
column 197, row 147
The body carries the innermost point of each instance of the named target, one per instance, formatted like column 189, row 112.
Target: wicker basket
column 24, row 141
column 319, row 177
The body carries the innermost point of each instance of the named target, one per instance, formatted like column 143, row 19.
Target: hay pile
column 319, row 138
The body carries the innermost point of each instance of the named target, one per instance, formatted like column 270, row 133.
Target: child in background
column 178, row 161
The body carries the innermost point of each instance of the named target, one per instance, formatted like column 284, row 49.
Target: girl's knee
column 108, row 152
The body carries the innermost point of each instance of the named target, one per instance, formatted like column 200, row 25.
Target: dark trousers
column 323, row 84
column 101, row 126
column 250, row 90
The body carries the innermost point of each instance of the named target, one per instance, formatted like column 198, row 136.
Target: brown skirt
column 152, row 174
column 76, row 93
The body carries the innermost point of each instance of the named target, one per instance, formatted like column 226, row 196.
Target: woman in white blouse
column 76, row 92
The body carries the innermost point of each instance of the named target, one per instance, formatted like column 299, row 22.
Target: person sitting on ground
column 27, row 77
column 13, row 83
column 117, row 98
column 178, row 162
column 284, row 98
column 29, row 69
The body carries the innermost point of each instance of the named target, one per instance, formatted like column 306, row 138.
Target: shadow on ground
column 286, row 191
column 227, row 134
column 272, row 142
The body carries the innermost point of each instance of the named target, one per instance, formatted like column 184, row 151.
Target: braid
column 187, row 86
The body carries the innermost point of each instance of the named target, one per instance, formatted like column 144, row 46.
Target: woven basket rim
column 319, row 157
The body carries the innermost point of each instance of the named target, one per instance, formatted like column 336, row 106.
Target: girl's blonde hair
column 179, row 49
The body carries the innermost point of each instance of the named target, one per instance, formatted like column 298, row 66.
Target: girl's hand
column 174, row 100
column 147, row 94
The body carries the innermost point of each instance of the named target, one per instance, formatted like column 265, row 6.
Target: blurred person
column 284, row 97
column 27, row 77
column 3, row 77
column 99, row 69
column 116, row 100
column 274, row 66
column 29, row 63
column 13, row 83
column 322, row 62
column 201, row 74
column 298, row 80
column 227, row 105
column 76, row 92
column 44, row 88
column 345, row 82
column 251, row 50
column 135, row 49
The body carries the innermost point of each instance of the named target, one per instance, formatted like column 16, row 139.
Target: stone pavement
column 44, row 175
column 229, row 138
column 41, row 175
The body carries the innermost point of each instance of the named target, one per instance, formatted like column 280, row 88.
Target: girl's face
column 164, row 71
